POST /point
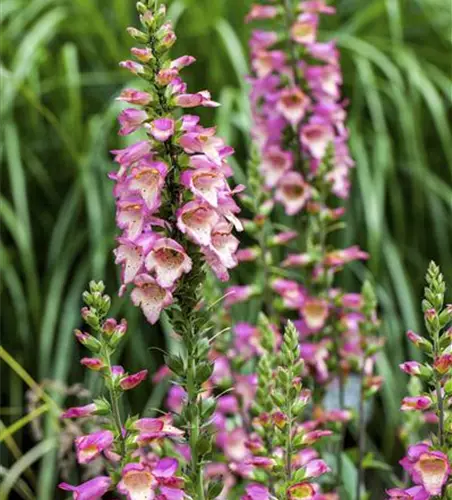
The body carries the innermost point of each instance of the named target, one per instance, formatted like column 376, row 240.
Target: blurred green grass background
column 59, row 75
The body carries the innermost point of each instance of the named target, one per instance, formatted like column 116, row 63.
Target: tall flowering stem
column 428, row 463
column 125, row 444
column 280, row 402
column 369, row 346
column 177, row 213
column 303, row 159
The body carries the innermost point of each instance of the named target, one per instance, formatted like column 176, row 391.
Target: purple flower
column 79, row 411
column 162, row 129
column 93, row 489
column 92, row 445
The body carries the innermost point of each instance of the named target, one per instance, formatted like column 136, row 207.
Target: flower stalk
column 428, row 463
column 120, row 444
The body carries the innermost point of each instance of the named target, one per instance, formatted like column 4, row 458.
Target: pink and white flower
column 148, row 179
column 92, row 445
column 126, row 157
column 131, row 381
column 315, row 313
column 131, row 119
column 131, row 254
column 293, row 104
column 258, row 12
column 275, row 163
column 162, row 129
column 137, row 482
column 428, row 468
column 304, row 30
column 133, row 96
column 197, row 219
column 169, row 261
column 316, row 138
column 293, row 192
column 205, row 183
column 151, row 297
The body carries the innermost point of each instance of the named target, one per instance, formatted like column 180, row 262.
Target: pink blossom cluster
column 172, row 196
column 302, row 140
column 296, row 103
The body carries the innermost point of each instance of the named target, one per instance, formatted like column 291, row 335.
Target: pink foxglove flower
column 416, row 403
column 94, row 489
column 79, row 411
column 304, row 30
column 131, row 119
column 131, row 381
column 196, row 220
column 316, row 468
column 92, row 445
column 315, row 312
column 262, row 12
column 275, row 164
column 256, row 492
column 151, row 297
column 162, row 129
column 430, row 469
column 137, row 482
column 94, row 364
column 133, row 96
column 293, row 105
column 156, row 428
column 148, row 178
column 414, row 493
column 169, row 262
column 293, row 192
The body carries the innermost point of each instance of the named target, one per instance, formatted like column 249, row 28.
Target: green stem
column 289, row 15
column 194, row 429
column 289, row 447
column 342, row 407
column 439, row 396
column 116, row 412
column 361, row 435
column 267, row 296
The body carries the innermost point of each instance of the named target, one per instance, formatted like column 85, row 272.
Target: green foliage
column 59, row 77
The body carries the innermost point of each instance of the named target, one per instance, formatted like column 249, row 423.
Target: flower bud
column 141, row 7
column 88, row 341
column 94, row 364
column 419, row 341
column 443, row 363
column 79, row 411
column 132, row 381
column 413, row 403
column 431, row 319
column 138, row 35
column 143, row 55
